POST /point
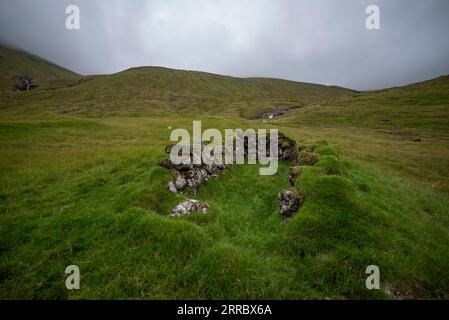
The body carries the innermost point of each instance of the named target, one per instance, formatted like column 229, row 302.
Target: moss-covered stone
column 294, row 173
column 307, row 158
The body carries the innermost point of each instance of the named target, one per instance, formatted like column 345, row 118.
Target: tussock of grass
column 331, row 165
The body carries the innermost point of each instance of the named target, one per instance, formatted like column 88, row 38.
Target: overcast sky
column 322, row 41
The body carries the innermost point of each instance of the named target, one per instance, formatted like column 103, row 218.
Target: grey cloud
column 322, row 41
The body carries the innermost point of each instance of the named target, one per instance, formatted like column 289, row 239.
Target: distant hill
column 421, row 107
column 15, row 63
column 149, row 90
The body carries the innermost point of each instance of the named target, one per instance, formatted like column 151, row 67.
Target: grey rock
column 180, row 182
column 188, row 206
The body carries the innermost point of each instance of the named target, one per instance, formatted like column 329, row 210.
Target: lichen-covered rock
column 178, row 179
column 290, row 201
column 188, row 206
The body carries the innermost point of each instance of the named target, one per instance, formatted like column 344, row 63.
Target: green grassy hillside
column 89, row 191
column 404, row 131
column 416, row 109
column 152, row 90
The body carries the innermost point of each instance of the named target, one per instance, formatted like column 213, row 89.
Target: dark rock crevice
column 24, row 83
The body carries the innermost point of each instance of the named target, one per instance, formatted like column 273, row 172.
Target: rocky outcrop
column 188, row 206
column 189, row 176
column 24, row 83
column 272, row 114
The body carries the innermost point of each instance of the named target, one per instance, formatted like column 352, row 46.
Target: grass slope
column 403, row 131
column 15, row 63
column 149, row 90
column 90, row 193
column 416, row 109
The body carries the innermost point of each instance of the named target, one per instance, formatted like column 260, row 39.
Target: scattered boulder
column 188, row 206
column 290, row 201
